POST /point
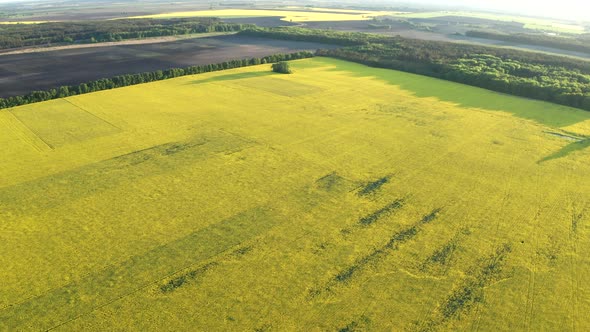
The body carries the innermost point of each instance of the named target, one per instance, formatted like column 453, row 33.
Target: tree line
column 22, row 35
column 133, row 79
column 317, row 36
column 576, row 44
column 557, row 79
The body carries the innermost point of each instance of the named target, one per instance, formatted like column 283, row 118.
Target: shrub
column 282, row 67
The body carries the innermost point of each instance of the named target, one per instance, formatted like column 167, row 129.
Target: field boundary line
column 25, row 133
column 85, row 275
column 90, row 113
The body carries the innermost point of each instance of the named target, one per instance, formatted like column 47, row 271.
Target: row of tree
column 314, row 35
column 132, row 79
column 21, row 35
column 540, row 76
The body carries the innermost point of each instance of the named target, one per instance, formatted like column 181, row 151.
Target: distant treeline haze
column 577, row 44
column 21, row 35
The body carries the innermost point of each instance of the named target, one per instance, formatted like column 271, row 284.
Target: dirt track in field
column 153, row 40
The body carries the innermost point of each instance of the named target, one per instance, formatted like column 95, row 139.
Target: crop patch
column 441, row 259
column 577, row 218
column 393, row 244
column 167, row 149
column 176, row 147
column 360, row 324
column 431, row 216
column 191, row 276
column 320, row 248
column 90, row 179
column 549, row 254
column 488, row 271
column 373, row 186
column 463, row 298
column 242, row 251
column 333, row 182
column 382, row 212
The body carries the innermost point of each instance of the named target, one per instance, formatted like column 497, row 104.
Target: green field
column 340, row 197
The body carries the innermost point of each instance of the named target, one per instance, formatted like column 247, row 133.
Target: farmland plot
column 340, row 197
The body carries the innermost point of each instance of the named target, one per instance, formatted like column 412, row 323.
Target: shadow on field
column 231, row 77
column 467, row 96
column 566, row 150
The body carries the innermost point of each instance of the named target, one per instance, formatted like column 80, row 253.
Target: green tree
column 63, row 92
column 282, row 67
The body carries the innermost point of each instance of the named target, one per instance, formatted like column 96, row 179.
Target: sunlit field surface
column 338, row 197
column 22, row 22
column 293, row 15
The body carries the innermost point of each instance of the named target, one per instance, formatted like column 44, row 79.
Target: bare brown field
column 24, row 73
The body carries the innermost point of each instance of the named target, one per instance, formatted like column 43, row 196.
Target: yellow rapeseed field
column 293, row 15
column 22, row 22
column 339, row 197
